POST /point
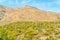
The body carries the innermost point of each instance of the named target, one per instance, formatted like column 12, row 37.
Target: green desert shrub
column 30, row 30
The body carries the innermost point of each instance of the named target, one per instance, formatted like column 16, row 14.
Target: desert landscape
column 28, row 23
column 26, row 13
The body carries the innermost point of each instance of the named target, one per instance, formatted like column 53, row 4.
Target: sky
column 47, row 5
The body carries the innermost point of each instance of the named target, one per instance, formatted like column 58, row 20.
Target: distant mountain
column 26, row 13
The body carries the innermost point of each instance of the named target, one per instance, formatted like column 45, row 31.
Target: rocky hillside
column 26, row 13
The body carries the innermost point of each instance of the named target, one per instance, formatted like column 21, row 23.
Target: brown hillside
column 26, row 13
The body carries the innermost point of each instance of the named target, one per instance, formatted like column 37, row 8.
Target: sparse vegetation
column 30, row 31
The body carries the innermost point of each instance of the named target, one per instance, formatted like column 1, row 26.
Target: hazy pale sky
column 49, row 5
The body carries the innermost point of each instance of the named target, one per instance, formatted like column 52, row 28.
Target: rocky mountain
column 26, row 13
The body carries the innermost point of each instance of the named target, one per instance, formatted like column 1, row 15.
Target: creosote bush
column 26, row 30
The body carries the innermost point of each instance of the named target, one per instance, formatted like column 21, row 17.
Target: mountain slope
column 26, row 13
